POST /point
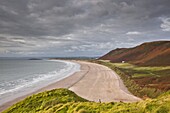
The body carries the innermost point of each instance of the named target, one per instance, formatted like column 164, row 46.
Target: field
column 65, row 101
column 153, row 77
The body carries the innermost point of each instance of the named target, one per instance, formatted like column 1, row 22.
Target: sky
column 63, row 28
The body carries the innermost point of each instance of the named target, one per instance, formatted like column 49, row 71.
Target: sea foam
column 31, row 83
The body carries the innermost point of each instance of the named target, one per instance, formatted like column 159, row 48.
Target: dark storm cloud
column 80, row 26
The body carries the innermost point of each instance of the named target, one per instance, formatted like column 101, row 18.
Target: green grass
column 136, row 71
column 65, row 101
column 152, row 77
column 45, row 100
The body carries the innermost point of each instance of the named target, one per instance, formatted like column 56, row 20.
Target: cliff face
column 147, row 54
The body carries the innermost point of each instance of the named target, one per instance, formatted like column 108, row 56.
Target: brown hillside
column 147, row 54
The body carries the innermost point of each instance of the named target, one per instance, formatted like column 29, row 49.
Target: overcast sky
column 79, row 27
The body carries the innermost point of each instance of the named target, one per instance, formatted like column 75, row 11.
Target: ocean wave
column 37, row 79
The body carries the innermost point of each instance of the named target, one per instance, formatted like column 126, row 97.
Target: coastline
column 47, row 87
column 93, row 82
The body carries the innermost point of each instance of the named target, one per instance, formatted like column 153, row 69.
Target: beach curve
column 93, row 82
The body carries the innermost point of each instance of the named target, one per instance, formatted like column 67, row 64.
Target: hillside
column 147, row 54
column 65, row 101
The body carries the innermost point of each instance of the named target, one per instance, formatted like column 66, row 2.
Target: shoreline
column 93, row 82
column 50, row 86
column 17, row 87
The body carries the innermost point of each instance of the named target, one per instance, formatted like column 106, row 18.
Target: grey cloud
column 133, row 33
column 165, row 24
column 55, row 26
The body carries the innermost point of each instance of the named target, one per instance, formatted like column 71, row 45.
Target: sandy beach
column 93, row 82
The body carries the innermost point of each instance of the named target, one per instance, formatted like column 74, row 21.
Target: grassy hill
column 65, row 101
column 147, row 54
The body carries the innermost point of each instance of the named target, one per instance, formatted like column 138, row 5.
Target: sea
column 21, row 77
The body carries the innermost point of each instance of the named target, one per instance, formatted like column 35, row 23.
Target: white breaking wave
column 30, row 84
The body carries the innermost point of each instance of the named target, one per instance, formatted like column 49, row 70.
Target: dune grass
column 65, row 101
column 44, row 100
